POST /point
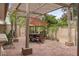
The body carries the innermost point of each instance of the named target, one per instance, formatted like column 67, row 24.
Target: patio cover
column 29, row 9
column 36, row 8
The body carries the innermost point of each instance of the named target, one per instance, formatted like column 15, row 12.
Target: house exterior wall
column 5, row 28
column 2, row 28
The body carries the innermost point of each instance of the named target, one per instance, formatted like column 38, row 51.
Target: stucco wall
column 2, row 28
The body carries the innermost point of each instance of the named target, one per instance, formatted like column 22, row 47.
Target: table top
column 3, row 38
column 34, row 33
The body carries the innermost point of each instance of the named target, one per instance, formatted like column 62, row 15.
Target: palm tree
column 14, row 22
column 21, row 23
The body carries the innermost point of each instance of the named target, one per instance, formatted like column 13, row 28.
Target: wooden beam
column 61, row 4
column 54, row 9
column 5, row 9
column 40, row 7
column 18, row 10
column 27, row 26
column 18, row 6
column 78, row 30
column 64, row 4
column 36, row 13
column 33, row 12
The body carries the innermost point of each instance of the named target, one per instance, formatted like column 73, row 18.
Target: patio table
column 34, row 36
column 3, row 39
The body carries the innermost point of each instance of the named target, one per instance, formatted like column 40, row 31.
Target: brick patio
column 49, row 48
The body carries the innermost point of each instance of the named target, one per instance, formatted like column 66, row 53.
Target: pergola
column 39, row 10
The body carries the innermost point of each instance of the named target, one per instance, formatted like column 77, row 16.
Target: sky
column 58, row 13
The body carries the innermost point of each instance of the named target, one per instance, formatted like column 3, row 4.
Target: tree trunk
column 56, row 34
column 19, row 31
column 16, row 28
column 11, row 33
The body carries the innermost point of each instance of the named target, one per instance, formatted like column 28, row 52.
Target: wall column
column 70, row 41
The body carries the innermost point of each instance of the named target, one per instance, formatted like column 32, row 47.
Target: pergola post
column 78, row 30
column 75, row 27
column 16, row 37
column 27, row 50
column 27, row 26
column 69, row 42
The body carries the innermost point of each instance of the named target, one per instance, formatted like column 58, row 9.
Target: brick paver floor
column 49, row 48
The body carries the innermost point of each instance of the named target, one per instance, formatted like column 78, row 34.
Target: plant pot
column 26, row 51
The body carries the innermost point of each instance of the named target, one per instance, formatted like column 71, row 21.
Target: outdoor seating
column 35, row 37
